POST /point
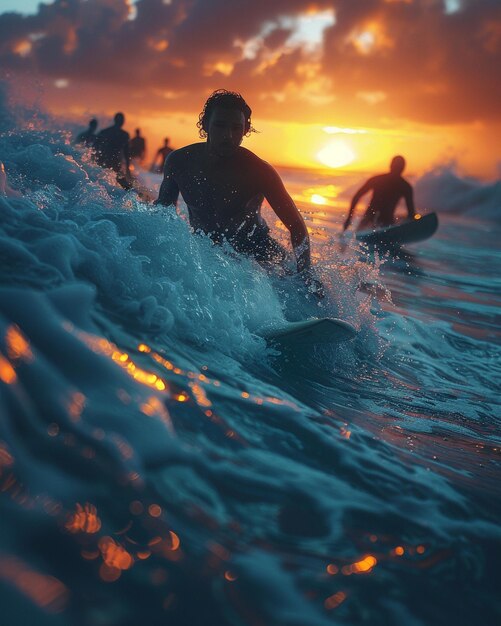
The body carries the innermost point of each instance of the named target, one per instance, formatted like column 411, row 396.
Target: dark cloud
column 381, row 58
column 437, row 67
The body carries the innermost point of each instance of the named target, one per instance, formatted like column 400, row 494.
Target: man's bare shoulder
column 252, row 160
column 248, row 155
column 181, row 155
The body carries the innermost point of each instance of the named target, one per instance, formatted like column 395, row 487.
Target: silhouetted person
column 137, row 146
column 387, row 190
column 161, row 155
column 112, row 150
column 224, row 185
column 88, row 137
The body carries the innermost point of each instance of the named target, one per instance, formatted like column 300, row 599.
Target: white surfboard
column 309, row 332
column 409, row 231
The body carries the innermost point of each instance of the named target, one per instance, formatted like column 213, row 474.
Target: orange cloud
column 354, row 63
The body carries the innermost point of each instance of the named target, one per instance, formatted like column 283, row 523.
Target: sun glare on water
column 336, row 153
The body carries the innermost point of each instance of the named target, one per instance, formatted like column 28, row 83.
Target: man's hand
column 313, row 285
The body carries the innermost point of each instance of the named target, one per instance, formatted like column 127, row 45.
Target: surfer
column 160, row 156
column 387, row 190
column 137, row 146
column 87, row 137
column 112, row 150
column 224, row 185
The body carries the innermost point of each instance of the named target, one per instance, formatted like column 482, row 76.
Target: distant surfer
column 112, row 150
column 387, row 190
column 87, row 137
column 137, row 146
column 158, row 162
column 224, row 186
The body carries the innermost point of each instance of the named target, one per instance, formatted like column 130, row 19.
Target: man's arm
column 283, row 205
column 169, row 190
column 362, row 191
column 409, row 201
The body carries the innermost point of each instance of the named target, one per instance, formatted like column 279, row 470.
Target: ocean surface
column 161, row 464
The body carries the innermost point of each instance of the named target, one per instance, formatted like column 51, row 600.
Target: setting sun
column 336, row 153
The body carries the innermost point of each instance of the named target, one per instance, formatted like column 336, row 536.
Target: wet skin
column 224, row 185
column 387, row 190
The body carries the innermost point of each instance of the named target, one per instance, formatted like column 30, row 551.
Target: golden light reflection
column 7, row 373
column 83, row 520
column 18, row 348
column 169, row 547
column 335, row 600
column 200, row 395
column 76, row 405
column 270, row 399
column 154, row 407
column 160, row 359
column 143, row 555
column 45, row 591
column 345, row 433
column 155, row 510
column 175, row 541
column 364, row 566
column 103, row 346
column 114, row 555
column 23, row 48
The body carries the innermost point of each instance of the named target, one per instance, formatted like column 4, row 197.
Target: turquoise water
column 159, row 463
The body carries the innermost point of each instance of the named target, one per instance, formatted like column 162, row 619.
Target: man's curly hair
column 228, row 100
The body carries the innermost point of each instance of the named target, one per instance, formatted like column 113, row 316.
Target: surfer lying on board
column 224, row 186
column 387, row 190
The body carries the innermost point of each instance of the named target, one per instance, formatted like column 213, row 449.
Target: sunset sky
column 338, row 83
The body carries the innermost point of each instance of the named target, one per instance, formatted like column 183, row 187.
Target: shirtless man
column 387, row 190
column 224, row 186
column 158, row 162
column 137, row 146
column 87, row 137
column 112, row 150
